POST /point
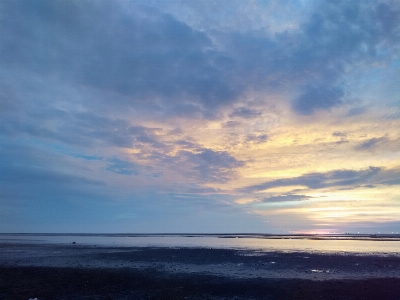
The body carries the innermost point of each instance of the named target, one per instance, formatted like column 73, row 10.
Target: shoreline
column 202, row 273
column 338, row 244
column 344, row 236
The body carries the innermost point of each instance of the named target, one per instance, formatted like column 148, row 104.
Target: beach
column 73, row 271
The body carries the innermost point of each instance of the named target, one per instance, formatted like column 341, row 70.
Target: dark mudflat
column 44, row 271
column 75, row 283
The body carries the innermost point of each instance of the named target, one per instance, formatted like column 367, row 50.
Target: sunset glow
column 171, row 116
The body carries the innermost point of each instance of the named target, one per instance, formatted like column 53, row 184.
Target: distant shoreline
column 347, row 236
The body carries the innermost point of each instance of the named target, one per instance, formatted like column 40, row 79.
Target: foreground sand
column 86, row 272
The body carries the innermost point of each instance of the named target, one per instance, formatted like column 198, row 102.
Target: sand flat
column 205, row 273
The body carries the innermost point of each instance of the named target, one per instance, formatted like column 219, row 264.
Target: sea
column 354, row 244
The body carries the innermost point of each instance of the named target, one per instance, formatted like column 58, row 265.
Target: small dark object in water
column 73, row 242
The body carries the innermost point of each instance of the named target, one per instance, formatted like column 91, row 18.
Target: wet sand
column 88, row 272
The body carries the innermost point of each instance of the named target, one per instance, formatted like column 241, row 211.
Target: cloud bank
column 119, row 108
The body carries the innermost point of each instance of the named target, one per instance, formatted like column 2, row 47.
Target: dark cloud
column 317, row 97
column 210, row 166
column 137, row 52
column 86, row 157
column 245, row 113
column 372, row 144
column 187, row 144
column 395, row 181
column 232, row 124
column 389, row 177
column 339, row 134
column 166, row 65
column 342, row 137
column 285, row 198
column 33, row 175
column 123, row 167
column 157, row 175
column 29, row 173
column 388, row 20
column 339, row 36
column 355, row 111
column 337, row 178
column 78, row 128
column 187, row 110
column 258, row 139
column 347, row 32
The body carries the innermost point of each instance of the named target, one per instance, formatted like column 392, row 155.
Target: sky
column 155, row 116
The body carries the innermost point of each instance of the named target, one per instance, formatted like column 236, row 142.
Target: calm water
column 350, row 245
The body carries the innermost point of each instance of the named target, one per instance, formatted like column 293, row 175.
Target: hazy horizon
column 254, row 234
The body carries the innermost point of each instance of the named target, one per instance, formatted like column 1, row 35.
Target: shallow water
column 261, row 243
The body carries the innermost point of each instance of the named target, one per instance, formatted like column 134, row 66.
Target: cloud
column 388, row 20
column 154, row 60
column 371, row 143
column 313, row 59
column 257, row 139
column 79, row 128
column 123, row 167
column 382, row 143
column 285, row 198
column 34, row 174
column 339, row 134
column 24, row 175
column 245, row 113
column 389, row 176
column 317, row 97
column 337, row 178
column 232, row 124
column 178, row 98
column 210, row 166
column 138, row 52
column 355, row 111
column 342, row 136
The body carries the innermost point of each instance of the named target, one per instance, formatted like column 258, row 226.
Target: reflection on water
column 263, row 243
